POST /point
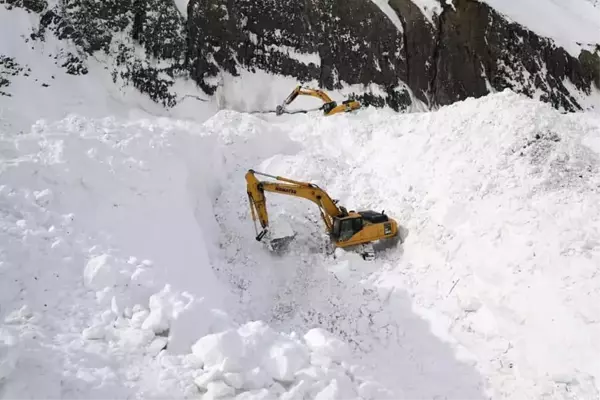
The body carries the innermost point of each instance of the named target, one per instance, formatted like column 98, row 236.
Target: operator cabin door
column 349, row 228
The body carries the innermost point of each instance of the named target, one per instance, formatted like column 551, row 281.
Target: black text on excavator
column 346, row 229
column 329, row 108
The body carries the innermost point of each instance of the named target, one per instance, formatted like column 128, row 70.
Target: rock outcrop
column 116, row 28
column 467, row 50
column 312, row 40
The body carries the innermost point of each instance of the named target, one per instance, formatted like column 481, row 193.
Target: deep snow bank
column 108, row 268
column 500, row 197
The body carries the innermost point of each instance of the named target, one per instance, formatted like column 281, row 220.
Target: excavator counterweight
column 346, row 229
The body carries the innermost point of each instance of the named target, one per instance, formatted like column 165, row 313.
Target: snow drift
column 111, row 248
column 500, row 198
column 129, row 265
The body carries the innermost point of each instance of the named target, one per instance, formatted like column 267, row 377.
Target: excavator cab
column 345, row 228
column 361, row 229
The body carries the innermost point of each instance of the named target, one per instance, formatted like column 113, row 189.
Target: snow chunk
column 8, row 354
column 323, row 343
column 384, row 5
column 94, row 332
column 20, row 316
column 218, row 389
column 213, row 349
column 99, row 273
column 256, row 378
column 285, row 359
column 193, row 321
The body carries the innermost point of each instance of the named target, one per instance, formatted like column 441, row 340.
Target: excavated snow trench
column 105, row 213
column 304, row 287
column 500, row 198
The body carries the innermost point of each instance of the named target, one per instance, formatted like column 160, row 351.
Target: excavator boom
column 256, row 194
column 345, row 228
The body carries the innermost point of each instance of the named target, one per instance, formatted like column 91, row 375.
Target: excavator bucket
column 280, row 236
column 280, row 245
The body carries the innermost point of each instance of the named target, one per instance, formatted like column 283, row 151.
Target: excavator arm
column 354, row 229
column 309, row 191
column 329, row 107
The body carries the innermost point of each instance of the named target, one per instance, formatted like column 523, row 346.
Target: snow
column 574, row 25
column 590, row 102
column 497, row 242
column 384, row 5
column 304, row 58
column 129, row 268
column 182, row 6
column 93, row 94
column 128, row 314
column 430, row 8
column 262, row 92
column 181, row 303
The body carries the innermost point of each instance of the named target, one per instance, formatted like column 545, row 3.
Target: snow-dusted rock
column 370, row 390
column 208, row 376
column 256, row 378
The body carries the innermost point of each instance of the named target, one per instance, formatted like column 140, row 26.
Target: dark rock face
column 8, row 67
column 339, row 36
column 467, row 51
column 93, row 26
column 478, row 48
column 590, row 62
column 420, row 44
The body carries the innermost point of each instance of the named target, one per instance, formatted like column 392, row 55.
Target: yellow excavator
column 329, row 108
column 346, row 229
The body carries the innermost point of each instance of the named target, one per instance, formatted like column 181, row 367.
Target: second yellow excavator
column 346, row 229
column 329, row 108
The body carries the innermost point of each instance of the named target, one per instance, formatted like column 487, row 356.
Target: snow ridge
column 124, row 331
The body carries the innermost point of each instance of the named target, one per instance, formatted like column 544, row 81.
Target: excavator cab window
column 327, row 107
column 344, row 229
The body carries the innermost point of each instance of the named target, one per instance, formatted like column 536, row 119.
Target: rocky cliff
column 466, row 50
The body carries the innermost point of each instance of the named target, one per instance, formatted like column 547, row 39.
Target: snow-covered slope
column 574, row 25
column 38, row 86
column 500, row 197
column 129, row 268
column 129, row 265
column 110, row 247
